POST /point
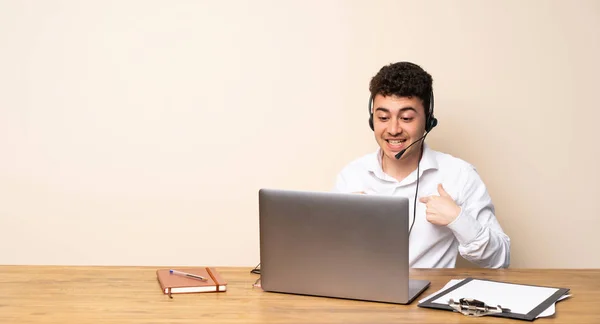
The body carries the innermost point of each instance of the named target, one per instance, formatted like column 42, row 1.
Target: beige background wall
column 138, row 132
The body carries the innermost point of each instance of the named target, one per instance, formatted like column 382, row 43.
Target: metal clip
column 476, row 308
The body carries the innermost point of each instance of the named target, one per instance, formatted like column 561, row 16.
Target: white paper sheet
column 520, row 299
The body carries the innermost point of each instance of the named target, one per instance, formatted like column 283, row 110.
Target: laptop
column 338, row 245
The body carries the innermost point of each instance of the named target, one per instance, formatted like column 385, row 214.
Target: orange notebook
column 190, row 280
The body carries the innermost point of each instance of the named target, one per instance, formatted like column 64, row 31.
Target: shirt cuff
column 465, row 228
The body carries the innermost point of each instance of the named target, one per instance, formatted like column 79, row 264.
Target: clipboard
column 525, row 302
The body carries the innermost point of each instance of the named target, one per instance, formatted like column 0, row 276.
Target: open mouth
column 395, row 144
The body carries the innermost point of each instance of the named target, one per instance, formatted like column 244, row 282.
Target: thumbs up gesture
column 441, row 210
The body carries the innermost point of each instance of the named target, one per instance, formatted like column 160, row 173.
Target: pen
column 189, row 275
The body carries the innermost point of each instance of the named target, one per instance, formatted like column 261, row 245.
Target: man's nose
column 394, row 127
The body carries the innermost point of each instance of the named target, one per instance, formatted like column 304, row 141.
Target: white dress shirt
column 475, row 233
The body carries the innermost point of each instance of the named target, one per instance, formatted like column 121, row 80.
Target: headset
column 430, row 123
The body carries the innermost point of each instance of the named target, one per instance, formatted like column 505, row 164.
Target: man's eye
column 406, row 119
column 383, row 119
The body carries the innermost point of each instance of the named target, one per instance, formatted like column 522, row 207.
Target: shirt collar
column 428, row 161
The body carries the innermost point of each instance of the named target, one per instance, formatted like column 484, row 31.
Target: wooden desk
column 54, row 294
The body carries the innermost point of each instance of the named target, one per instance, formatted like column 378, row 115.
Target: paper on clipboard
column 494, row 291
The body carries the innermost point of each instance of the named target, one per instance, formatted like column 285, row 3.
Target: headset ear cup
column 371, row 113
column 432, row 123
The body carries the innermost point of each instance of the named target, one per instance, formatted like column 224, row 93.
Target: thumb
column 424, row 199
column 443, row 192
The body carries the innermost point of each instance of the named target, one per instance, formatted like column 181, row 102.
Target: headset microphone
column 399, row 154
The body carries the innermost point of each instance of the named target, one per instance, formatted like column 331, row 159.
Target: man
column 454, row 213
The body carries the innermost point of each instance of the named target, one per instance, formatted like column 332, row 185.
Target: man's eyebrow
column 401, row 110
column 382, row 109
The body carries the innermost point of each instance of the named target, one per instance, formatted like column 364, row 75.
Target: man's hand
column 441, row 210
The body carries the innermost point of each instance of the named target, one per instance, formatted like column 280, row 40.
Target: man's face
column 398, row 122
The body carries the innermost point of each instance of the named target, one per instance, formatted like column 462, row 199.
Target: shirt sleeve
column 480, row 236
column 340, row 183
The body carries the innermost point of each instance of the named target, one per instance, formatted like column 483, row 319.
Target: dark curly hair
column 403, row 79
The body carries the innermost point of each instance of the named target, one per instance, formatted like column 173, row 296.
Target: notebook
column 173, row 283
